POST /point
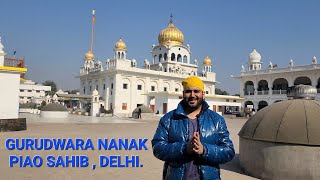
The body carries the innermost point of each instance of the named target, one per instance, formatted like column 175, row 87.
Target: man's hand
column 197, row 145
column 190, row 146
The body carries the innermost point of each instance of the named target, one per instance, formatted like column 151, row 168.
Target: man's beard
column 193, row 108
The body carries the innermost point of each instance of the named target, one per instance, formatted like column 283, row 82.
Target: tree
column 75, row 91
column 221, row 92
column 53, row 86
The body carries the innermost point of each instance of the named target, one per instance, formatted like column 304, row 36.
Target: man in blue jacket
column 192, row 139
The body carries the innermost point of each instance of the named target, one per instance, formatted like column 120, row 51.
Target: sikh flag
column 93, row 18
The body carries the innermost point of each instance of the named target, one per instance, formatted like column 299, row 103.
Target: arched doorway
column 302, row 80
column 280, row 86
column 250, row 103
column 249, row 88
column 263, row 87
column 262, row 104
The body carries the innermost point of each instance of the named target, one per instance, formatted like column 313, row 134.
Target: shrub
column 28, row 105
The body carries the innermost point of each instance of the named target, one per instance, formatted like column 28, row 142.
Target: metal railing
column 248, row 93
column 279, row 91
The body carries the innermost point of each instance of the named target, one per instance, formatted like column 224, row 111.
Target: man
column 139, row 113
column 192, row 139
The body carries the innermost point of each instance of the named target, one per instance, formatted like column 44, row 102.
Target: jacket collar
column 180, row 110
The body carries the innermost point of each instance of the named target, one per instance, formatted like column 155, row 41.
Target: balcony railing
column 279, row 91
column 248, row 93
column 264, row 92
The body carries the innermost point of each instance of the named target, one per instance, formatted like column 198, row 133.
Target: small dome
column 302, row 92
column 293, row 121
column 207, row 61
column 171, row 36
column 54, row 107
column 254, row 56
column 89, row 56
column 95, row 93
column 120, row 45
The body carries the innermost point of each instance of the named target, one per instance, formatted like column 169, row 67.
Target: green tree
column 75, row 91
column 221, row 92
column 53, row 86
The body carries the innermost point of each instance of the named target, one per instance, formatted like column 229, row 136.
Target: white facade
column 123, row 86
column 9, row 91
column 32, row 92
column 262, row 87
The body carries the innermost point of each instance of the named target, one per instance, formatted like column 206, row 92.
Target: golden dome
column 171, row 35
column 89, row 56
column 207, row 61
column 120, row 45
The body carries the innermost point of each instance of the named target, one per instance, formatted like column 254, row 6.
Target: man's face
column 193, row 97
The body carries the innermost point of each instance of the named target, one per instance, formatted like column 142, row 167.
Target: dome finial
column 171, row 18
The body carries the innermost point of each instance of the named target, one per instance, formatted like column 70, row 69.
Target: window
column 177, row 89
column 124, row 106
column 153, row 88
column 29, row 90
column 234, row 100
column 21, row 90
column 227, row 100
column 111, row 85
column 207, row 92
column 84, row 90
column 165, row 89
column 29, row 98
column 37, row 91
column 90, row 88
column 111, row 92
column 125, row 86
column 97, row 87
column 180, row 97
column 139, row 87
column 104, row 86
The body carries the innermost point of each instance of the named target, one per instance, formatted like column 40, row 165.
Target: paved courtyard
column 98, row 127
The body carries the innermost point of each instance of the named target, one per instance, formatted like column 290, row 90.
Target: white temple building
column 9, row 91
column 32, row 92
column 120, row 85
column 264, row 86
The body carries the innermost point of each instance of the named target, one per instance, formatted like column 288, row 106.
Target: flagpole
column 92, row 30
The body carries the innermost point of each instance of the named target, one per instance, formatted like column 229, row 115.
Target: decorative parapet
column 281, row 70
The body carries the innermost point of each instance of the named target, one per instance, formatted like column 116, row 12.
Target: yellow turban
column 193, row 81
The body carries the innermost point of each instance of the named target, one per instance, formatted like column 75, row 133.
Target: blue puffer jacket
column 170, row 143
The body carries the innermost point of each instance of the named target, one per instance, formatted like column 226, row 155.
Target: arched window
column 173, row 57
column 160, row 56
column 118, row 55
column 165, row 57
column 179, row 58
column 185, row 59
column 154, row 58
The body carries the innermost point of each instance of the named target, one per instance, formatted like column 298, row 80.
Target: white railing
column 264, row 92
column 282, row 69
column 279, row 91
column 248, row 93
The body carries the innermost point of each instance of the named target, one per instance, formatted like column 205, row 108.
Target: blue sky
column 53, row 36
